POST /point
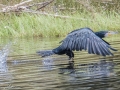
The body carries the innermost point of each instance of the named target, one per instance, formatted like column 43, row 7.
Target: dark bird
column 82, row 39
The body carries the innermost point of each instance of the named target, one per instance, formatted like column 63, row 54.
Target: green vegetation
column 26, row 24
column 50, row 26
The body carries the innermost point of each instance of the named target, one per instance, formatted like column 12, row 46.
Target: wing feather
column 81, row 44
column 106, row 50
column 77, row 45
column 86, row 39
column 90, row 49
column 96, row 50
column 101, row 49
column 85, row 44
column 93, row 47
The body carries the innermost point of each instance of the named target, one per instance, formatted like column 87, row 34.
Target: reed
column 26, row 25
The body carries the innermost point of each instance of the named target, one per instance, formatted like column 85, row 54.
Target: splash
column 4, row 52
column 48, row 63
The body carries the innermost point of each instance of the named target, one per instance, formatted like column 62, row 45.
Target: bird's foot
column 71, row 59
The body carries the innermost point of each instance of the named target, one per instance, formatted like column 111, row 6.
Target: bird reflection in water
column 100, row 69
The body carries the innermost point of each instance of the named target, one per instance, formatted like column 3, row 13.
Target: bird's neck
column 99, row 34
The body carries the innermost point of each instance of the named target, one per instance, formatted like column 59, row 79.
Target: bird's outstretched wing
column 85, row 39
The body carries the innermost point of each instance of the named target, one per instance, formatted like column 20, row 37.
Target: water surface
column 25, row 70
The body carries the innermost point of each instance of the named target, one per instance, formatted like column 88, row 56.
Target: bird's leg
column 71, row 58
column 70, row 54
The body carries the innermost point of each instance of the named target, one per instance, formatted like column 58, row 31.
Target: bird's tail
column 45, row 53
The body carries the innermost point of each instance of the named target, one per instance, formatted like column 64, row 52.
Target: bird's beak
column 109, row 33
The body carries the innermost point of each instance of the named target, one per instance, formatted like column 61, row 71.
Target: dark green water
column 25, row 70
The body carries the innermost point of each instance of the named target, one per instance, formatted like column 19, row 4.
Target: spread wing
column 85, row 39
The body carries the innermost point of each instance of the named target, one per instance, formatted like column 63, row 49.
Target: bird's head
column 103, row 34
column 109, row 33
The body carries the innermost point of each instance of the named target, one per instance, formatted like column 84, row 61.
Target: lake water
column 25, row 70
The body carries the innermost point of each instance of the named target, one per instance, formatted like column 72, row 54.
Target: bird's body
column 82, row 39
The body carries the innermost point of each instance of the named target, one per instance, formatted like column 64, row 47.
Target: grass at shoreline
column 27, row 25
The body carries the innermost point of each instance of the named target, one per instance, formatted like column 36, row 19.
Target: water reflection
column 91, row 76
column 92, row 70
column 24, row 70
